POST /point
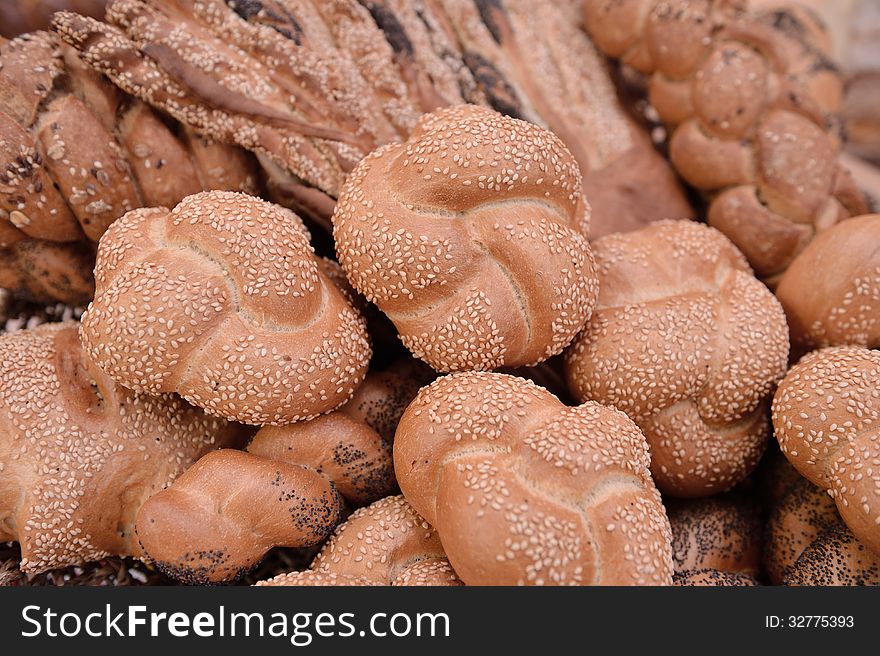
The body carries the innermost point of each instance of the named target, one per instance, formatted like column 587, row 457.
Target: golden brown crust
column 752, row 100
column 831, row 292
column 689, row 344
column 465, row 236
column 837, row 558
column 524, row 490
column 387, row 543
column 79, row 454
column 826, row 414
column 219, row 518
column 222, row 300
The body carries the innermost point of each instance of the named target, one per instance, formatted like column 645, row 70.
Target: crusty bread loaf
column 362, row 72
column 220, row 517
column 79, row 453
column 466, row 237
column 836, row 557
column 352, row 445
column 826, row 414
column 76, row 154
column 689, row 344
column 799, row 512
column 721, row 533
column 387, row 543
column 713, row 578
column 524, row 490
column 831, row 292
column 222, row 300
column 750, row 99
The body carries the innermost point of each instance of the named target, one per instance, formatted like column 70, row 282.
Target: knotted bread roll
column 387, row 543
column 752, row 102
column 826, row 414
column 79, row 454
column 525, row 490
column 465, row 236
column 831, row 292
column 689, row 344
column 223, row 301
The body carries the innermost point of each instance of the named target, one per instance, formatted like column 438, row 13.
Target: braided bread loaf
column 831, row 292
column 312, row 87
column 223, row 301
column 76, row 154
column 387, row 543
column 689, row 344
column 465, row 236
column 524, row 490
column 826, row 414
column 751, row 99
column 79, row 454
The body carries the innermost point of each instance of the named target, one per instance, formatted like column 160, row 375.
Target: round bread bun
column 466, row 237
column 79, row 454
column 836, row 557
column 386, row 543
column 826, row 414
column 689, row 344
column 526, row 491
column 718, row 533
column 799, row 513
column 713, row 578
column 831, row 292
column 223, row 301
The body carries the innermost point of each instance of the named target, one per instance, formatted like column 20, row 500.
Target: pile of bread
column 403, row 282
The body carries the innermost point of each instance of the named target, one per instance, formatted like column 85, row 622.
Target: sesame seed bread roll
column 386, row 543
column 223, row 301
column 835, row 558
column 712, row 578
column 752, row 103
column 690, row 345
column 826, row 414
column 79, row 454
column 352, row 445
column 831, row 292
column 720, row 533
column 526, row 491
column 220, row 517
column 466, row 237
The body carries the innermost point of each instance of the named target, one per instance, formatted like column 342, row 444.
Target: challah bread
column 750, row 98
column 826, row 414
column 831, row 292
column 220, row 517
column 386, row 543
column 466, row 237
column 79, row 453
column 351, row 445
column 524, row 490
column 712, row 578
column 799, row 513
column 76, row 154
column 689, row 344
column 836, row 558
column 720, row 533
column 222, row 300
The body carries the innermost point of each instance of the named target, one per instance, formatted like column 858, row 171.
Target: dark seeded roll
column 712, row 578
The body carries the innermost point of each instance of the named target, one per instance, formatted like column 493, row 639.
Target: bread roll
column 720, row 533
column 465, row 236
column 831, row 292
column 524, row 490
column 836, row 557
column 387, row 543
column 689, row 344
column 79, row 453
column 752, row 102
column 223, row 301
column 19, row 16
column 712, row 578
column 826, row 414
